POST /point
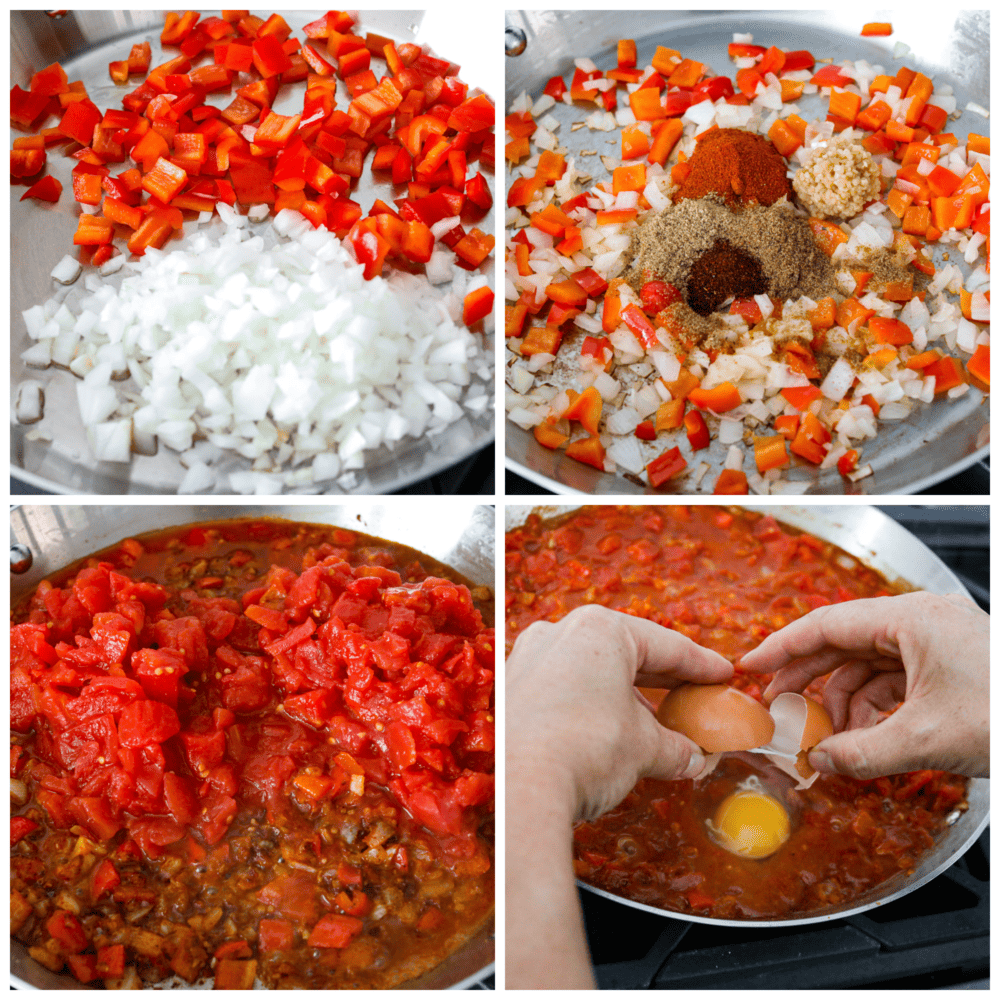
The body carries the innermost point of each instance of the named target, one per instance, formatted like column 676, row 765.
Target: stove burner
column 632, row 949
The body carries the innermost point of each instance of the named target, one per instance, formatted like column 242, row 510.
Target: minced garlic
column 838, row 180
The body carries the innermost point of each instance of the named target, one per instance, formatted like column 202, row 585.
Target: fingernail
column 821, row 761
column 695, row 766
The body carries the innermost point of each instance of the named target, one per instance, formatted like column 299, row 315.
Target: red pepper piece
column 474, row 248
column 269, row 57
column 335, row 931
column 177, row 27
column 370, row 249
column 79, row 121
column 636, row 321
column 664, row 468
column 477, row 304
column 26, row 162
column 275, row 130
column 50, row 82
column 47, row 189
column 165, row 180
column 696, row 429
column 25, row 107
column 473, row 115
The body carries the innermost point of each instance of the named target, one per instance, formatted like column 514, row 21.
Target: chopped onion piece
column 838, row 380
column 67, row 270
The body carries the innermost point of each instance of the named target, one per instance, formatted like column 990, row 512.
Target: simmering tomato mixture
column 726, row 578
column 253, row 750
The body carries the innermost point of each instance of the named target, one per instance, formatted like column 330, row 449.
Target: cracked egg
column 722, row 719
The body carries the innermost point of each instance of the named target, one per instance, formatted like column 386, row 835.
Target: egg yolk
column 751, row 824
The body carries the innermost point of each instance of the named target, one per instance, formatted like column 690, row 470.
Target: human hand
column 572, row 707
column 929, row 652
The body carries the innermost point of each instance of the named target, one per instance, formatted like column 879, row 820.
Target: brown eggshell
column 818, row 726
column 717, row 717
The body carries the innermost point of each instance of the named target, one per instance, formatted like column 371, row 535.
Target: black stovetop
column 934, row 937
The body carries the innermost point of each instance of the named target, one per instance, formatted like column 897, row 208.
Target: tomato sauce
column 256, row 750
column 726, row 578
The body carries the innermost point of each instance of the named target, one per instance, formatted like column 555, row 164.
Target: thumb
column 674, row 756
column 891, row 747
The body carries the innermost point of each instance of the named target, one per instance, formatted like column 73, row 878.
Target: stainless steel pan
column 882, row 544
column 55, row 536
column 84, row 42
column 952, row 46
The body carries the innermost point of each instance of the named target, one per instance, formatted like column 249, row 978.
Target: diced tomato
column 20, row 827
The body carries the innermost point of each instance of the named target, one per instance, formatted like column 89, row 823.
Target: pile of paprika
column 740, row 166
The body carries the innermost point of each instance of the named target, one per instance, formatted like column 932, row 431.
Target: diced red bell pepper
column 335, row 931
column 370, row 250
column 111, row 961
column 665, row 467
column 275, row 935
column 79, row 121
column 697, row 430
column 138, row 58
column 177, row 27
column 67, row 930
column 26, row 162
column 83, row 967
column 26, row 108
column 276, row 130
column 47, row 189
column 118, row 211
column 732, row 482
column 658, row 295
column 473, row 115
column 588, row 450
column 798, row 59
column 50, row 82
column 830, row 75
column 478, row 303
column 269, row 57
column 93, row 230
column 165, row 180
column 636, row 321
column 714, row 88
column 105, row 879
column 474, row 248
column 556, row 87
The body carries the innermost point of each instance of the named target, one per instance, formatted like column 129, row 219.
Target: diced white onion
column 838, row 380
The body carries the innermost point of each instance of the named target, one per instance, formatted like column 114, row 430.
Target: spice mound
column 740, row 166
column 710, row 253
column 839, row 180
column 721, row 272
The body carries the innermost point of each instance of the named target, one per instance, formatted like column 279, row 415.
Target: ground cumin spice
column 741, row 167
column 780, row 243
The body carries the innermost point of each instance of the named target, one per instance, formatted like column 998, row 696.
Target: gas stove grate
column 939, row 930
